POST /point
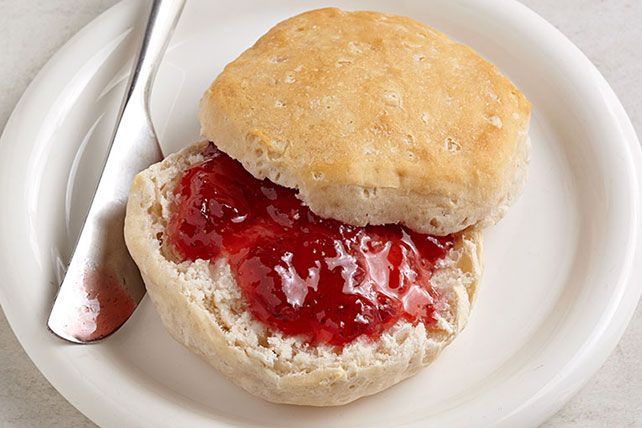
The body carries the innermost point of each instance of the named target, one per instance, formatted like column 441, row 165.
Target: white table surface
column 608, row 31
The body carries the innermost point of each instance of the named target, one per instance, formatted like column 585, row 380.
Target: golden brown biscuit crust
column 349, row 105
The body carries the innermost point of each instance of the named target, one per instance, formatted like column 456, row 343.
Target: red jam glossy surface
column 301, row 274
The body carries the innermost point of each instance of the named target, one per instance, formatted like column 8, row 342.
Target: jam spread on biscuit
column 299, row 273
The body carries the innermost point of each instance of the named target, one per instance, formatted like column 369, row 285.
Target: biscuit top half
column 374, row 118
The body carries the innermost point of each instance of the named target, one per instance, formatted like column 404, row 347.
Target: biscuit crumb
column 451, row 145
column 277, row 59
column 496, row 122
column 354, row 47
column 392, row 98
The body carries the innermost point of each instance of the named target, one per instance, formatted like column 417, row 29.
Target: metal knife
column 102, row 285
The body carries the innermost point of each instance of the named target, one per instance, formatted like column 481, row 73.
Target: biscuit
column 375, row 119
column 201, row 306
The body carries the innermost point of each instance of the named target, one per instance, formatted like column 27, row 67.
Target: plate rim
column 546, row 408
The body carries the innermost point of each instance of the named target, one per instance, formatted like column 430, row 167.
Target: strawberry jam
column 299, row 273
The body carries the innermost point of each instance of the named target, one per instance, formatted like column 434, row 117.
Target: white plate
column 560, row 284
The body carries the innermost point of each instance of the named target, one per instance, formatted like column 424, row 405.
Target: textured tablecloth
column 608, row 31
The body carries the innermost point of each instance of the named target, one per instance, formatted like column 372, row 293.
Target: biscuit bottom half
column 292, row 307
